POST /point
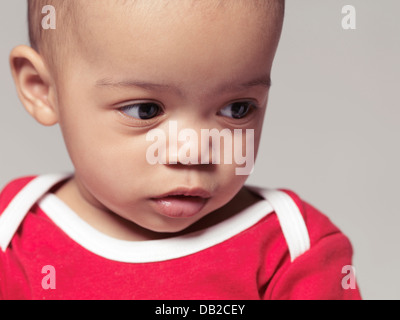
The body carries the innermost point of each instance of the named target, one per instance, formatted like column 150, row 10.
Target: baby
column 134, row 81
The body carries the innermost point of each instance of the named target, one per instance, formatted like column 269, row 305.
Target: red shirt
column 258, row 254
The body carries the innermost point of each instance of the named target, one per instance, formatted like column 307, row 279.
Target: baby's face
column 145, row 68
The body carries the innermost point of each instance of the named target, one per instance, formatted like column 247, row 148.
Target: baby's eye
column 142, row 111
column 237, row 110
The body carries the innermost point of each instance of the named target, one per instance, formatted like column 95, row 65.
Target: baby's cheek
column 228, row 181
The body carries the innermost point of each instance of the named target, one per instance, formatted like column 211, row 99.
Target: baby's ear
column 32, row 80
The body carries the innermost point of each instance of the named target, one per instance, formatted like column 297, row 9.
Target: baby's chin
column 176, row 228
column 163, row 227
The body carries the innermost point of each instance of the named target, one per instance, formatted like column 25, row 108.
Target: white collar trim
column 36, row 191
column 151, row 250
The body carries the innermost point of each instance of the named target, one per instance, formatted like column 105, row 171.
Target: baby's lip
column 186, row 192
column 183, row 202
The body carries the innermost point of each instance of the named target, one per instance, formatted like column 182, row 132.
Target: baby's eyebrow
column 229, row 86
column 263, row 80
column 108, row 82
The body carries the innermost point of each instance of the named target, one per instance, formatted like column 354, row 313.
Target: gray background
column 331, row 133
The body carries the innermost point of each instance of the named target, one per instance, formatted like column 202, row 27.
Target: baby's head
column 114, row 70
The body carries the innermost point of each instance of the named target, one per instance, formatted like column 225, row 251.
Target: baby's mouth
column 181, row 203
column 180, row 206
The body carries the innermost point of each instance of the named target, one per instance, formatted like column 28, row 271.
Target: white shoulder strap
column 15, row 212
column 291, row 220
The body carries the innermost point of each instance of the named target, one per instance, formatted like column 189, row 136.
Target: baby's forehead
column 78, row 20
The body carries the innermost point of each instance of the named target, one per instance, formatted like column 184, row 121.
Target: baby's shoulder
column 292, row 204
column 11, row 189
column 302, row 224
column 317, row 221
